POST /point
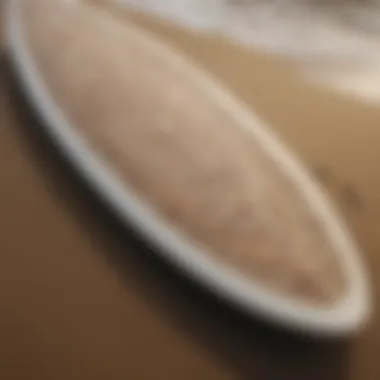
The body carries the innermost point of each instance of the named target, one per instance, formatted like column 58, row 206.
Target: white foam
column 304, row 28
column 317, row 31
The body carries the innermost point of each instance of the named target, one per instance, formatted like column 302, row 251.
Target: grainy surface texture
column 180, row 150
column 79, row 300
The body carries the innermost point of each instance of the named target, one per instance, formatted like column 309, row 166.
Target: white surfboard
column 346, row 315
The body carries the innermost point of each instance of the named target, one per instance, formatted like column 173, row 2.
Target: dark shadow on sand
column 251, row 348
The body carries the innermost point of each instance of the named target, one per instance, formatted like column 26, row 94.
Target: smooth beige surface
column 160, row 123
column 78, row 301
